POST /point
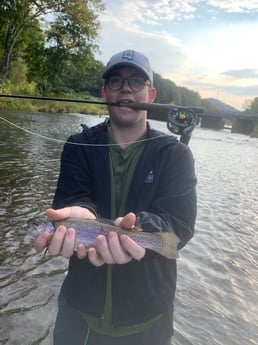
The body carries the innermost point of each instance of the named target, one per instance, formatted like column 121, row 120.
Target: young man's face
column 118, row 89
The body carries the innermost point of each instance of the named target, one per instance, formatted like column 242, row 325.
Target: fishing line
column 72, row 143
column 87, row 337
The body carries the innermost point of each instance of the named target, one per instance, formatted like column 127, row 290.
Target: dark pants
column 71, row 329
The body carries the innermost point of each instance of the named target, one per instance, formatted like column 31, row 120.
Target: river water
column 217, row 295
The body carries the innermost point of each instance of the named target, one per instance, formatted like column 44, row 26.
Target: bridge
column 240, row 121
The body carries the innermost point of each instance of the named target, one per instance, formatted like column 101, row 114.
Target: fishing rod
column 181, row 120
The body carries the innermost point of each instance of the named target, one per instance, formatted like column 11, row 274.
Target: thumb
column 72, row 211
column 61, row 213
column 127, row 221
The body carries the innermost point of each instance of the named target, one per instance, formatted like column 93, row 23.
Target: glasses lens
column 115, row 82
column 136, row 83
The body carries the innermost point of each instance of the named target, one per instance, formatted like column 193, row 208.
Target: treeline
column 48, row 48
column 253, row 106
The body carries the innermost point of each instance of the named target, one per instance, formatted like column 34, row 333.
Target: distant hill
column 213, row 103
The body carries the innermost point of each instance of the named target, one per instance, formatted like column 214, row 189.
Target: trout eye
column 36, row 223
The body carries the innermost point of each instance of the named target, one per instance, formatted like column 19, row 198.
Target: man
column 118, row 292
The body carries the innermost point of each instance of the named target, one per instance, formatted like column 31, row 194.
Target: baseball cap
column 129, row 58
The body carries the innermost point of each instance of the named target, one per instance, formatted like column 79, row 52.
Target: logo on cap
column 128, row 55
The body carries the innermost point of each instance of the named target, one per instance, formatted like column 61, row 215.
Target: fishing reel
column 181, row 121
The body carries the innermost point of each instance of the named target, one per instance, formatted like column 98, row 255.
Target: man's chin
column 125, row 119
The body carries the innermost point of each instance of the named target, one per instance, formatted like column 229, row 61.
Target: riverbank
column 63, row 107
column 52, row 106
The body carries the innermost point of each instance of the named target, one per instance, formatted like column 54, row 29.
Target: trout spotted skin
column 164, row 243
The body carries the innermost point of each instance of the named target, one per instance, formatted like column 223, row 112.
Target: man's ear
column 103, row 93
column 152, row 94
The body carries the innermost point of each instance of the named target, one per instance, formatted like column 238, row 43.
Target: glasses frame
column 129, row 79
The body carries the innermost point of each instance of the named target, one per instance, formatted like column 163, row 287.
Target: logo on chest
column 150, row 177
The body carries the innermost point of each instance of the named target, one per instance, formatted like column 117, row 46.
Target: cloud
column 246, row 73
column 204, row 45
column 235, row 5
column 222, row 88
column 154, row 10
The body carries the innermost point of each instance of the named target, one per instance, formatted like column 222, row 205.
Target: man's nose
column 125, row 85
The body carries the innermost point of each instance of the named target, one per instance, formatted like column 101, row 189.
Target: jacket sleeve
column 171, row 204
column 74, row 182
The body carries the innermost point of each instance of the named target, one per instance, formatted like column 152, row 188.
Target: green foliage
column 254, row 105
column 66, row 59
column 17, row 20
column 74, row 29
column 39, row 55
column 18, row 79
column 189, row 97
column 169, row 92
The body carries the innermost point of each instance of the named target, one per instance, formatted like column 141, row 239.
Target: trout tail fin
column 170, row 242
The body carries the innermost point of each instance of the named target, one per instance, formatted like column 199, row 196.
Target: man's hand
column 62, row 241
column 116, row 249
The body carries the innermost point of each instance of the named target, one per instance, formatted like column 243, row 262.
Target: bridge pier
column 243, row 126
column 212, row 122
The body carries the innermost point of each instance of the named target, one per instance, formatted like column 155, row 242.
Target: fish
column 164, row 243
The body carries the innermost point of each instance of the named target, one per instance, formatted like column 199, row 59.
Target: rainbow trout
column 164, row 243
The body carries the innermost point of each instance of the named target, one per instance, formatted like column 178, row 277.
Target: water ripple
column 216, row 299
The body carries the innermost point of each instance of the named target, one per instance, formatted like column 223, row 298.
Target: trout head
column 37, row 226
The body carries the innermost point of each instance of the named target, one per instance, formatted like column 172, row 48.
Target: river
column 217, row 295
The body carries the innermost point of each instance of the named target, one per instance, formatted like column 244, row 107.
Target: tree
column 82, row 77
column 167, row 91
column 254, row 105
column 76, row 22
column 16, row 16
column 189, row 97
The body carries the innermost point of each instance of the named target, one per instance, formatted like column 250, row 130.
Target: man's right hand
column 62, row 241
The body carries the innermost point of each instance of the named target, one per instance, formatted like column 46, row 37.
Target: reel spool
column 181, row 121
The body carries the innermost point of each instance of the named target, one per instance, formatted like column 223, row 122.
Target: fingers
column 95, row 258
column 72, row 211
column 81, row 251
column 63, row 240
column 42, row 241
column 108, row 251
column 102, row 247
column 132, row 248
column 112, row 250
column 119, row 249
column 63, row 243
column 115, row 250
column 67, row 246
column 62, row 213
column 119, row 254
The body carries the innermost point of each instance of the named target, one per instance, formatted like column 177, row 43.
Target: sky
column 206, row 46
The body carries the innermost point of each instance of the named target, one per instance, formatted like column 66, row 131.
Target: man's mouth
column 125, row 101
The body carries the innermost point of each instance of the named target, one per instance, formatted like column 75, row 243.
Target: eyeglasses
column 136, row 83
